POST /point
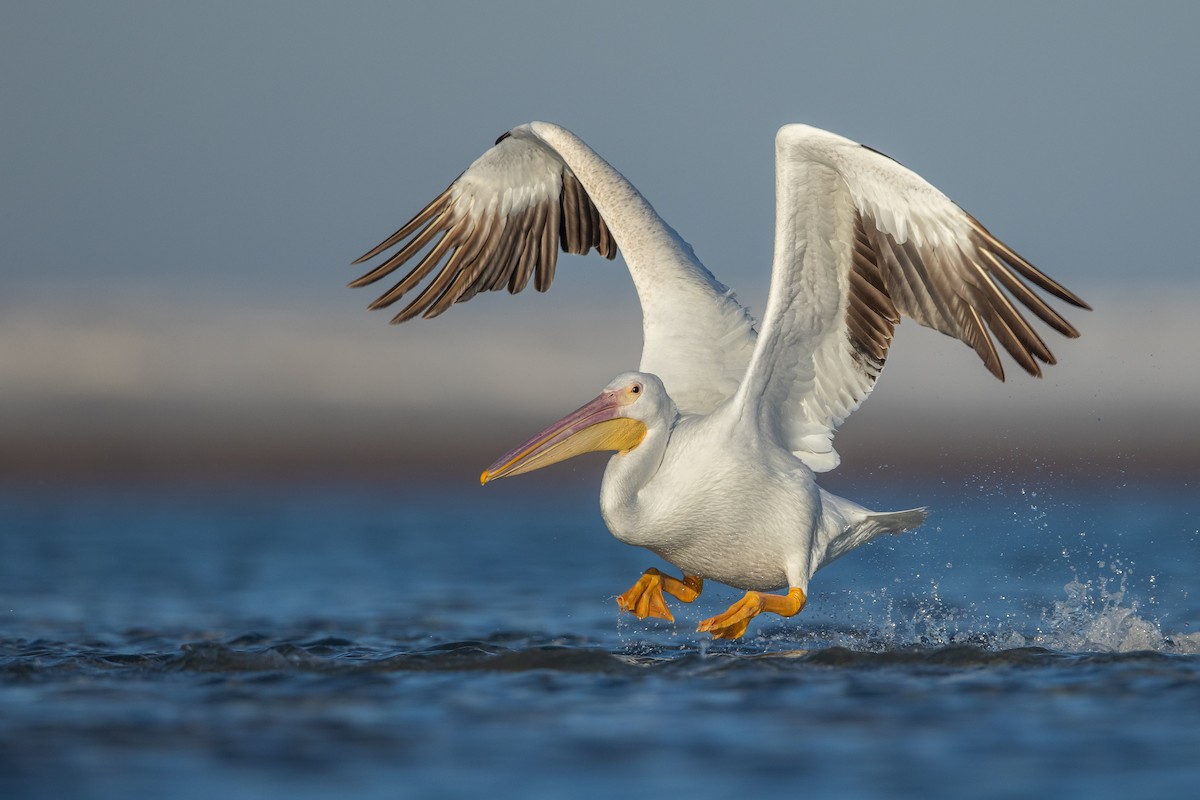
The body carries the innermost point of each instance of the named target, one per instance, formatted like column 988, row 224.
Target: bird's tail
column 892, row 521
column 866, row 525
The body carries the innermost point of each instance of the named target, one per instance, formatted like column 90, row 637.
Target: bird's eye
column 637, row 387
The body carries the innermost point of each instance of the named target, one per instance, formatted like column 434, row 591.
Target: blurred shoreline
column 128, row 390
column 326, row 444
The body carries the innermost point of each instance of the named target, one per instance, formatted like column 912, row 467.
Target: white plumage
column 720, row 431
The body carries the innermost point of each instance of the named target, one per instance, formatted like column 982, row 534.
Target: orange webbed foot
column 733, row 622
column 645, row 598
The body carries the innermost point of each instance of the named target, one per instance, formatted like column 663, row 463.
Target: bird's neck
column 627, row 474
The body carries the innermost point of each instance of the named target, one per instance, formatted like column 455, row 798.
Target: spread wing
column 500, row 223
column 539, row 189
column 861, row 241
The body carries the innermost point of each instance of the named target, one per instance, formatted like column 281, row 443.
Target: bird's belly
column 738, row 564
column 730, row 550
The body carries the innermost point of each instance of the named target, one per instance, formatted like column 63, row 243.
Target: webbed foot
column 733, row 622
column 645, row 598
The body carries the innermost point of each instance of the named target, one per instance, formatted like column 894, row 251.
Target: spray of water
column 1096, row 616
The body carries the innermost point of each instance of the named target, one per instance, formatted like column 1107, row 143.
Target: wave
column 1095, row 622
column 40, row 660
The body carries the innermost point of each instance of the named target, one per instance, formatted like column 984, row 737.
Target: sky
column 184, row 186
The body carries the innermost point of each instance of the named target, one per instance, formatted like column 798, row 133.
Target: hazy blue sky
column 184, row 186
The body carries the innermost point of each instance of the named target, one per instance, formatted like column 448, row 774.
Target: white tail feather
column 873, row 524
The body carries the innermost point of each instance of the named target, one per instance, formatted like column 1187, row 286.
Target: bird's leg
column 645, row 599
column 732, row 623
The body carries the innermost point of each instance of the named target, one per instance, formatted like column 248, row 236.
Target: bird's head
column 618, row 419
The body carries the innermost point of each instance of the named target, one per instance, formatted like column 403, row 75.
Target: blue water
column 1039, row 635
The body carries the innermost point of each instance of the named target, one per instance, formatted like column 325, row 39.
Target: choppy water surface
column 1033, row 637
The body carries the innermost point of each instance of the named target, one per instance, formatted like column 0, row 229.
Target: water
column 1036, row 636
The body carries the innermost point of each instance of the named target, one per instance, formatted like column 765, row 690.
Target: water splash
column 1099, row 615
column 1095, row 616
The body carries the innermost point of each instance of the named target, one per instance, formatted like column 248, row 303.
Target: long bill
column 594, row 427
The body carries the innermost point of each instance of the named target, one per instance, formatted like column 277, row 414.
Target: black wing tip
column 409, row 312
column 370, row 254
column 1020, row 265
column 361, row 281
column 1067, row 296
column 502, row 137
column 880, row 153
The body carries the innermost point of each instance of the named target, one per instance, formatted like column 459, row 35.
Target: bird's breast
column 715, row 510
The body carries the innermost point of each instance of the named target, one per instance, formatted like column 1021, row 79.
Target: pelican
column 719, row 434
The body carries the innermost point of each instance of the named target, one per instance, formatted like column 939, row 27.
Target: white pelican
column 719, row 433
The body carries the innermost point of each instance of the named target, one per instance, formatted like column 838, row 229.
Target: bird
column 719, row 435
